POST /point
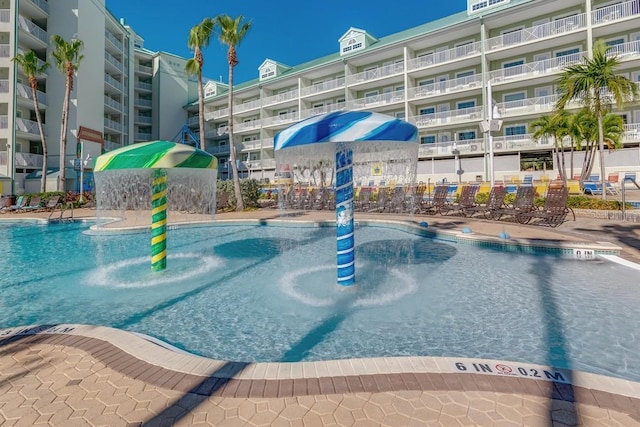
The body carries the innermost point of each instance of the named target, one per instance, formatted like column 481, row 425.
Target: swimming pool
column 268, row 293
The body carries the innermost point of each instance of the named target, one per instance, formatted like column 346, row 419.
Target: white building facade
column 435, row 76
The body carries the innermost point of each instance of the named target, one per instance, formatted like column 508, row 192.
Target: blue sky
column 283, row 30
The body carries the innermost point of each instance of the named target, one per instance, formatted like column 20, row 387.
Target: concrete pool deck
column 89, row 375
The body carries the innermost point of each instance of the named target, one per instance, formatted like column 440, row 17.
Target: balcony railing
column 631, row 132
column 113, row 61
column 5, row 51
column 5, row 16
column 615, row 12
column 42, row 4
column 144, row 119
column 216, row 114
column 376, row 73
column 112, row 125
column 281, row 119
column 193, row 120
column 280, row 97
column 140, row 102
column 323, row 87
column 526, row 35
column 252, row 145
column 463, row 83
column 625, row 50
column 113, row 82
column 447, row 117
column 144, row 69
column 4, row 86
column 536, row 68
column 142, row 136
column 218, row 149
column 441, row 57
column 246, row 106
column 32, row 29
column 376, row 100
column 24, row 91
column 23, row 160
column 248, row 125
column 113, row 103
column 4, row 122
column 28, row 126
column 144, row 86
column 338, row 106
column 40, row 61
column 113, row 39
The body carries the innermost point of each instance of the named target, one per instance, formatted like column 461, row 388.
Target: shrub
column 250, row 189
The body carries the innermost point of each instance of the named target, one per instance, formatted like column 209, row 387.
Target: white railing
column 339, row 106
column 246, row 106
column 25, row 91
column 268, row 163
column 615, row 12
column 5, row 51
column 142, row 102
column 32, row 29
column 280, row 97
column 447, row 117
column 526, row 35
column 251, row 145
column 23, row 160
column 113, row 82
column 27, row 126
column 144, row 69
column 463, row 83
column 113, row 103
column 376, row 100
column 631, row 132
column 112, row 125
column 5, row 16
column 440, row 57
column 376, row 73
column 625, row 50
column 4, row 122
column 4, row 86
column 280, row 119
column 536, row 68
column 323, row 87
column 249, row 125
column 216, row 114
column 113, row 61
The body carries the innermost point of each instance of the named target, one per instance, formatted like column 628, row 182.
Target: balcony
column 280, row 98
column 281, row 119
column 113, row 40
column 625, row 51
column 339, row 106
column 4, row 122
column 216, row 114
column 144, row 86
column 616, row 12
column 31, row 28
column 5, row 16
column 113, row 103
column 437, row 58
column 144, row 69
column 247, row 106
column 376, row 100
column 252, row 145
column 141, row 102
column 5, row 51
column 28, row 126
column 543, row 31
column 501, row 144
column 25, row 92
column 536, row 69
column 4, row 86
column 142, row 136
column 247, row 126
column 193, row 120
column 631, row 133
column 456, row 85
column 112, row 125
column 144, row 119
column 23, row 160
column 376, row 73
column 113, row 83
column 323, row 87
column 42, row 4
column 443, row 118
column 113, row 61
column 218, row 149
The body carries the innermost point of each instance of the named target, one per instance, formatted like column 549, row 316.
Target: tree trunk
column 232, row 147
column 603, row 178
column 203, row 144
column 63, row 137
column 36, row 106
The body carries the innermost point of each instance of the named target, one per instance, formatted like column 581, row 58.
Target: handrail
column 624, row 198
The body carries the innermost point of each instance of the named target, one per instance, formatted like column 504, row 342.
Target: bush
column 586, row 202
column 250, row 189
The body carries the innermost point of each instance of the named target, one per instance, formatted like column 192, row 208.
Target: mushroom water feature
column 156, row 176
column 358, row 147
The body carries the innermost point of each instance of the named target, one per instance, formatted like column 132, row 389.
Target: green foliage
column 250, row 189
column 587, row 202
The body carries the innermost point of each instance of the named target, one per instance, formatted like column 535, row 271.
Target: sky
column 290, row 32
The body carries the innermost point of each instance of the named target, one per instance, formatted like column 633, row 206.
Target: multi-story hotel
column 122, row 93
column 435, row 76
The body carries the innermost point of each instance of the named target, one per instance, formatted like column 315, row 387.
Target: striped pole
column 344, row 216
column 159, row 220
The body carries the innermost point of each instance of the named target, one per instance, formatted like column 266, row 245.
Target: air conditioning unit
column 473, row 147
column 497, row 145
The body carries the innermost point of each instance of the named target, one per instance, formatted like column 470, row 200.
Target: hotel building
column 436, row 76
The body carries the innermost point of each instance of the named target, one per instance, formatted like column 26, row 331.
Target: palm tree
column 595, row 84
column 67, row 59
column 199, row 37
column 551, row 127
column 232, row 32
column 32, row 68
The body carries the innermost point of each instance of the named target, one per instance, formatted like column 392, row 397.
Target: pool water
column 269, row 293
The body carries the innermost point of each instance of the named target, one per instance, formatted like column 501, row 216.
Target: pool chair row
column 29, row 204
column 522, row 209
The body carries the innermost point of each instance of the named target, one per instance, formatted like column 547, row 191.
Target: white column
column 490, row 103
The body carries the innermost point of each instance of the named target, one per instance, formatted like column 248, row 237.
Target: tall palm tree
column 32, row 68
column 594, row 83
column 199, row 37
column 232, row 32
column 550, row 127
column 67, row 59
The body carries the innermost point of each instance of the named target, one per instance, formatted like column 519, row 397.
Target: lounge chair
column 53, row 203
column 381, row 202
column 495, row 202
column 554, row 211
column 21, row 201
column 398, row 200
column 439, row 201
column 523, row 203
column 467, row 200
column 222, row 200
column 34, row 204
column 363, row 200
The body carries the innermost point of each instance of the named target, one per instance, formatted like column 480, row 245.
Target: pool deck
column 77, row 375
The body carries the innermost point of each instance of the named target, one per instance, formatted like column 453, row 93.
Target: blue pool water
column 266, row 293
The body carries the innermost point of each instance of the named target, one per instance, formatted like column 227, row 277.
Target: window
column 428, row 110
column 466, row 104
column 515, row 130
column 514, row 97
column 465, row 74
column 614, row 42
column 513, row 64
column 464, row 136
column 567, row 52
column 428, row 139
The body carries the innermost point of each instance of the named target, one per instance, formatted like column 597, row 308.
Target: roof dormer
column 213, row 88
column 355, row 40
column 479, row 6
column 271, row 68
